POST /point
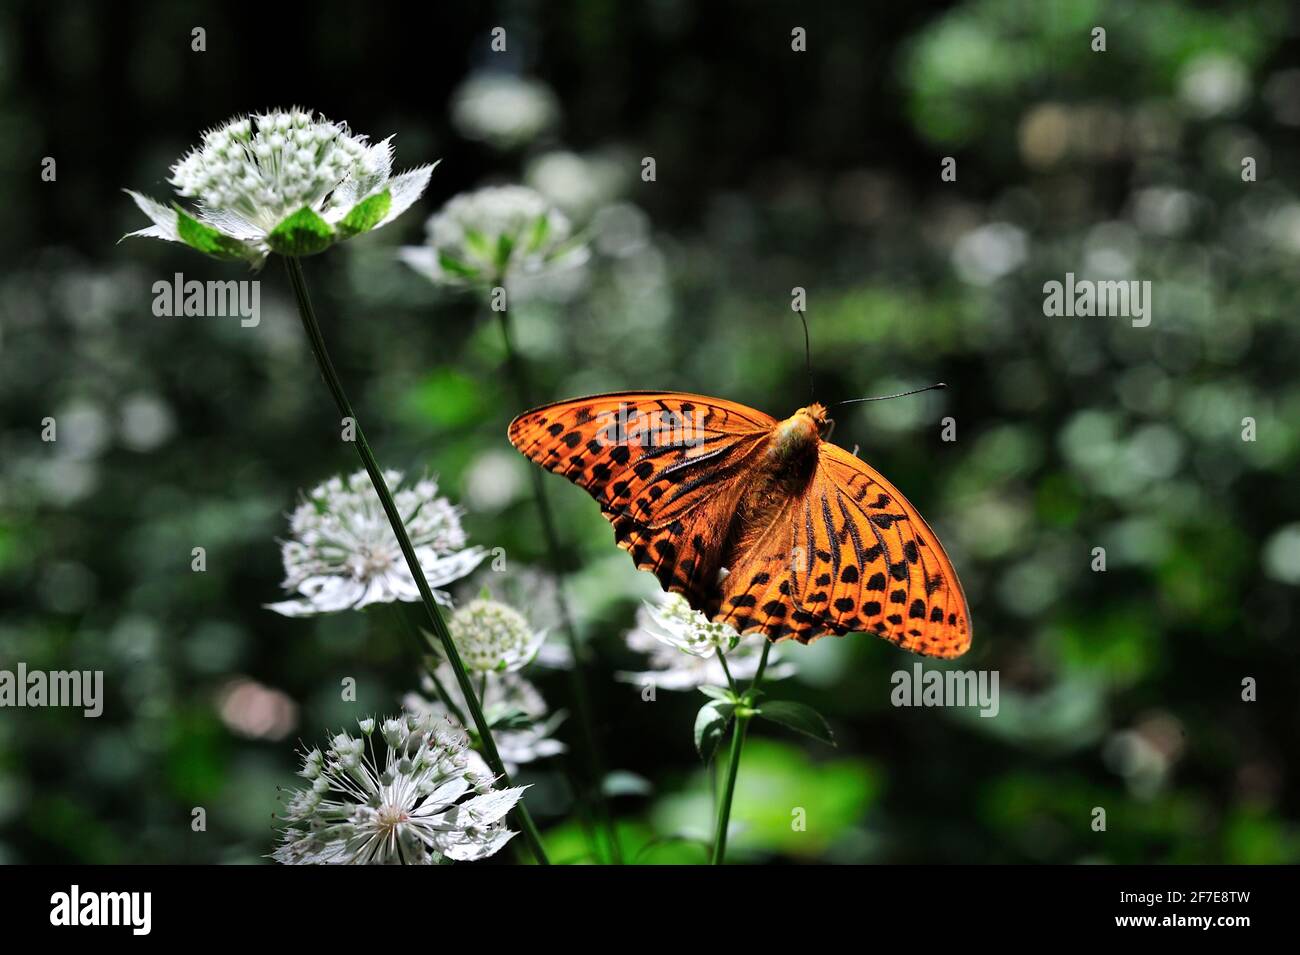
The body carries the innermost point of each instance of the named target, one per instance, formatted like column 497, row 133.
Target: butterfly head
column 799, row 434
column 820, row 418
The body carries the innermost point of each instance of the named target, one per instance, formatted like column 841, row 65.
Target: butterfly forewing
column 651, row 459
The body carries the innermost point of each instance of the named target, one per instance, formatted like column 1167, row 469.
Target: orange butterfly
column 758, row 523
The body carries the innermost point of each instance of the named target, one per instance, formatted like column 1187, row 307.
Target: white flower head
column 683, row 646
column 423, row 804
column 288, row 181
column 493, row 637
column 516, row 711
column 343, row 554
column 536, row 589
column 492, row 235
column 503, row 110
column 577, row 184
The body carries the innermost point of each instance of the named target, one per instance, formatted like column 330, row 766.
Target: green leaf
column 718, row 693
column 456, row 266
column 798, row 717
column 512, row 719
column 710, row 726
column 573, row 244
column 206, row 239
column 366, row 214
column 505, row 245
column 303, row 233
column 476, row 242
column 541, row 229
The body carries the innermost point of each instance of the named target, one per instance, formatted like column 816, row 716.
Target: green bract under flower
column 287, row 182
column 493, row 637
column 487, row 237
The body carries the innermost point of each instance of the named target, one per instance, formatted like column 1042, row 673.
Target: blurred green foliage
column 1120, row 690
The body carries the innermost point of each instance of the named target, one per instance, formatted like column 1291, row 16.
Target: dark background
column 776, row 169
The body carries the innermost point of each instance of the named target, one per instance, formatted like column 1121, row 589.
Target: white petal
column 469, row 850
column 449, row 791
column 323, row 595
column 231, row 224
column 423, row 259
column 664, row 679
column 163, row 218
column 378, row 589
column 527, row 652
column 404, row 190
column 555, row 656
column 444, row 570
column 293, row 608
column 490, row 807
column 351, row 191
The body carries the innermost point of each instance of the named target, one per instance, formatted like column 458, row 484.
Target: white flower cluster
column 492, row 637
column 424, row 803
column 253, row 177
column 514, row 708
column 503, row 110
column 343, row 553
column 492, row 235
column 683, row 646
column 291, row 160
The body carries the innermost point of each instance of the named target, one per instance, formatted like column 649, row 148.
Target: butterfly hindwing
column 758, row 592
column 876, row 565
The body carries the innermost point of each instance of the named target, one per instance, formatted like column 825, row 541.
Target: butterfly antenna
column 901, row 394
column 807, row 353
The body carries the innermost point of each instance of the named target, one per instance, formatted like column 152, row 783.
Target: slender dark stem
column 807, row 353
column 743, row 716
column 729, row 789
column 422, row 646
column 439, row 626
column 762, row 666
column 523, row 386
column 731, row 681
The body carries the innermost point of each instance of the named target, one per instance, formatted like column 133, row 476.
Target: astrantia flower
column 514, row 709
column 538, row 591
column 344, row 555
column 683, row 646
column 288, row 182
column 422, row 805
column 503, row 110
column 493, row 637
column 490, row 236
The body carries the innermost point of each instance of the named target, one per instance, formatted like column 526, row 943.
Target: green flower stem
column 731, row 681
column 578, row 681
column 422, row 647
column 309, row 324
column 743, row 716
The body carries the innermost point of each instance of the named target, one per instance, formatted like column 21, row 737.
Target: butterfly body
column 759, row 523
column 799, row 434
